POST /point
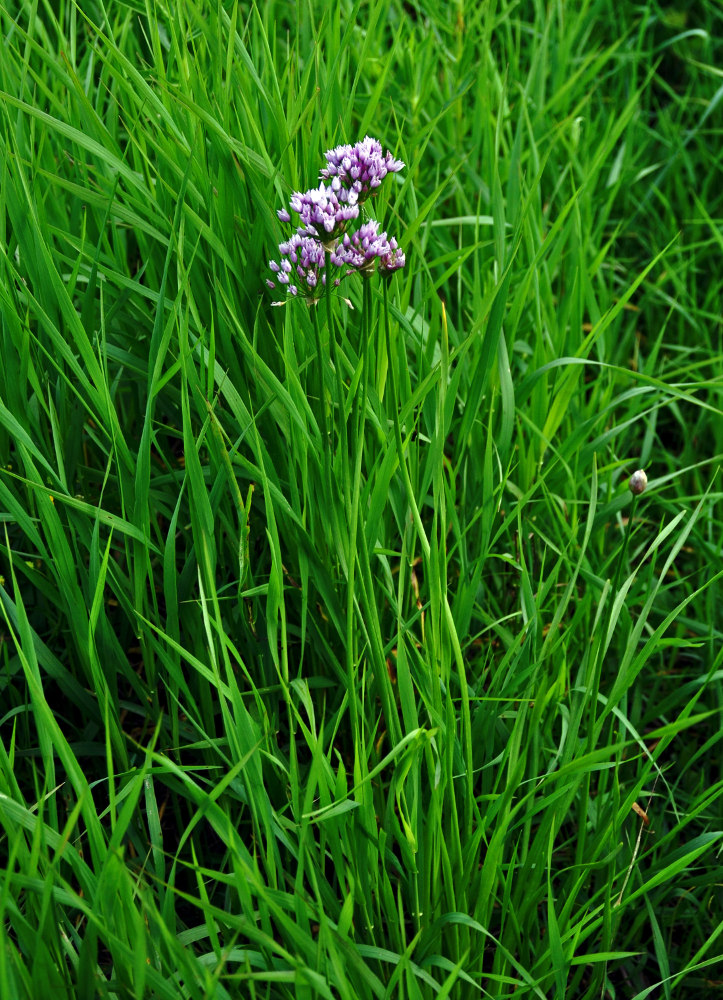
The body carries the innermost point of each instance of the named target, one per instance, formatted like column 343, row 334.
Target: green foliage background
column 249, row 745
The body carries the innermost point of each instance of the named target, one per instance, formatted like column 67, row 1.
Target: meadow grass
column 431, row 713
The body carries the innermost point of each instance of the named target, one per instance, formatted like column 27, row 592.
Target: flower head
column 637, row 483
column 366, row 248
column 351, row 175
column 324, row 212
column 392, row 261
column 361, row 249
column 360, row 168
column 301, row 270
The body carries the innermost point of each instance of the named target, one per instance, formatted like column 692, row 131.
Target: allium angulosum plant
column 324, row 251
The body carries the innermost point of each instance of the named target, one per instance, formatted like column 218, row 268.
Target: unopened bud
column 637, row 483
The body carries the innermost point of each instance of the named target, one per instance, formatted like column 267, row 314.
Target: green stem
column 610, row 920
column 598, row 657
column 328, row 519
column 341, row 429
column 411, row 500
column 321, row 383
column 623, row 551
column 359, row 423
column 607, row 619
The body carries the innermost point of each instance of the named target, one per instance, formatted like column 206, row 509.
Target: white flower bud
column 637, row 482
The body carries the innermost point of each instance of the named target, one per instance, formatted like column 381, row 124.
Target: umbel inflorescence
column 352, row 175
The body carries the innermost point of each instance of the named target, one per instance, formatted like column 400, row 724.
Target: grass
column 434, row 713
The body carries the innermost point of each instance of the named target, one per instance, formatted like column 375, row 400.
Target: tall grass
column 433, row 713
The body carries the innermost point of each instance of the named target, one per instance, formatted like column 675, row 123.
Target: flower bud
column 637, row 483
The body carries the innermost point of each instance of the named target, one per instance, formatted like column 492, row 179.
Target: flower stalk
column 333, row 242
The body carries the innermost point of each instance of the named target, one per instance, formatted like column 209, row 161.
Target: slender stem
column 328, row 519
column 623, row 551
column 359, row 426
column 321, row 385
column 411, row 500
column 341, row 429
column 611, row 919
column 607, row 622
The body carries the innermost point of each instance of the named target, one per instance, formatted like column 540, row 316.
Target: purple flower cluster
column 354, row 173
column 301, row 269
column 324, row 212
column 366, row 247
column 361, row 168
